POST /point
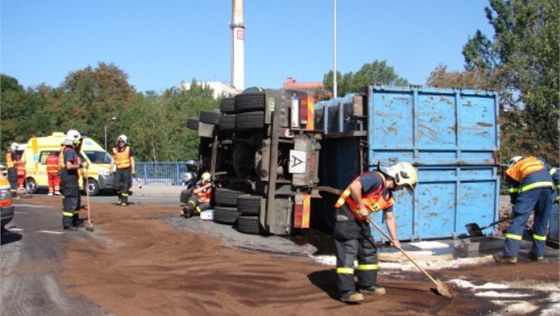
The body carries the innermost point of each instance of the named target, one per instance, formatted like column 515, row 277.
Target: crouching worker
column 200, row 197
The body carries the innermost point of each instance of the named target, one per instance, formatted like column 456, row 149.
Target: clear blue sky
column 160, row 43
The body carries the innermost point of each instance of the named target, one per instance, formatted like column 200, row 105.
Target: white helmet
column 73, row 136
column 403, row 173
column 122, row 138
column 205, row 177
column 14, row 146
column 515, row 159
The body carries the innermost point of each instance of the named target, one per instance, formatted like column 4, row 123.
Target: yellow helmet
column 205, row 177
column 403, row 173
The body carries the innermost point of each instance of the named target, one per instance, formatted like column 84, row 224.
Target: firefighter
column 530, row 188
column 20, row 170
column 11, row 157
column 70, row 163
column 52, row 173
column 200, row 198
column 123, row 157
column 370, row 192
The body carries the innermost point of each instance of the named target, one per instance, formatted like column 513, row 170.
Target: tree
column 376, row 72
column 471, row 79
column 524, row 57
column 92, row 96
column 12, row 112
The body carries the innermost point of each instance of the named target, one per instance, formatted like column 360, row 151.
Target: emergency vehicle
column 38, row 149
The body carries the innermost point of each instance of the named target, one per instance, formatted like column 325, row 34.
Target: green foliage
column 376, row 72
column 88, row 99
column 523, row 57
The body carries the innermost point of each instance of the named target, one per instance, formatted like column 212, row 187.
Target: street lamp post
column 114, row 118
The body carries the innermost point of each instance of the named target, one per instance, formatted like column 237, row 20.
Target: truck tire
column 249, row 121
column 210, row 117
column 225, row 215
column 249, row 225
column 226, row 197
column 227, row 122
column 249, row 204
column 227, row 105
column 250, row 102
column 192, row 123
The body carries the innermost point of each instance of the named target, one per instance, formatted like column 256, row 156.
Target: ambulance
column 99, row 175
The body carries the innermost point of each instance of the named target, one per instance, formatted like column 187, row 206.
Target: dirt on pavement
column 137, row 264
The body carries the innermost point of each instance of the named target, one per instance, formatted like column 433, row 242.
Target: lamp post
column 114, row 118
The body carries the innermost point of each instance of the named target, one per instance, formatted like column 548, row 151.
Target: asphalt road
column 29, row 259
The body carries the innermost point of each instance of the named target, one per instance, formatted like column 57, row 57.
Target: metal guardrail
column 161, row 173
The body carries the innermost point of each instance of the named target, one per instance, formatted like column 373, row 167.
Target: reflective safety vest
column 9, row 160
column 521, row 169
column 52, row 164
column 204, row 195
column 122, row 159
column 375, row 201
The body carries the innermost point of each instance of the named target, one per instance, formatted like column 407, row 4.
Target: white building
column 219, row 89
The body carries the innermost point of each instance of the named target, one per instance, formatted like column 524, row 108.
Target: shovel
column 441, row 288
column 89, row 224
column 476, row 231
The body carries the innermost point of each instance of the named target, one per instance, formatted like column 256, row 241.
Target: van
column 38, row 149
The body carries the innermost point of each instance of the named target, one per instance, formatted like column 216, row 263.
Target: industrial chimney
column 237, row 45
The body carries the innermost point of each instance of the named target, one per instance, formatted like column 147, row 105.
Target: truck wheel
column 225, row 215
column 249, row 121
column 250, row 102
column 192, row 123
column 92, row 187
column 249, row 225
column 227, row 122
column 226, row 197
column 31, row 185
column 227, row 105
column 249, row 204
column 210, row 117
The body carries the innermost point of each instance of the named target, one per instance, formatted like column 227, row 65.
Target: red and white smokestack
column 237, row 45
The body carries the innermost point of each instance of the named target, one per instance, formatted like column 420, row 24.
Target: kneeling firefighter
column 370, row 192
column 200, row 197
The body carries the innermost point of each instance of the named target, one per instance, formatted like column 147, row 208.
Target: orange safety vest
column 52, row 164
column 9, row 160
column 204, row 195
column 375, row 201
column 122, row 159
column 520, row 170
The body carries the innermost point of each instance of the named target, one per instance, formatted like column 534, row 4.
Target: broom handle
column 87, row 196
column 404, row 253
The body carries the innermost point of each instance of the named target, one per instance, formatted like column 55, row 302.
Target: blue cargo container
column 450, row 135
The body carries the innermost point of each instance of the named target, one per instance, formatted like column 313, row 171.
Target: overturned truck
column 279, row 159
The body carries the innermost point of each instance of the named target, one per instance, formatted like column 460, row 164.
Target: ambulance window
column 44, row 155
column 100, row 157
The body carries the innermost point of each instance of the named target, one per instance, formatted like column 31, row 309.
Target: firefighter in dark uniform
column 11, row 158
column 531, row 187
column 69, row 164
column 369, row 193
column 199, row 200
column 123, row 158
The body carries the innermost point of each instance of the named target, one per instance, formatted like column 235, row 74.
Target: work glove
column 557, row 200
column 133, row 173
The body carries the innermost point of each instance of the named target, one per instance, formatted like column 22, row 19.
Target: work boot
column 352, row 297
column 373, row 290
column 505, row 259
column 534, row 257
